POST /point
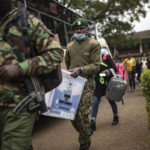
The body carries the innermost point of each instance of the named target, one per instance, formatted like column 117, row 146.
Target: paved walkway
column 131, row 133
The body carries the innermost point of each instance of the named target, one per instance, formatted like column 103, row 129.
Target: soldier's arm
column 50, row 53
column 93, row 67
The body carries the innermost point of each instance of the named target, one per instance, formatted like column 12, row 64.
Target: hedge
column 145, row 80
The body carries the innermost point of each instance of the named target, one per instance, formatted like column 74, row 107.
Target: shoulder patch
column 70, row 44
column 93, row 41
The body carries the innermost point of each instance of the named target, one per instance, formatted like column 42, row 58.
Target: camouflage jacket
column 14, row 51
column 84, row 54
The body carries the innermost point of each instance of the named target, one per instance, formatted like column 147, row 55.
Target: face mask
column 79, row 36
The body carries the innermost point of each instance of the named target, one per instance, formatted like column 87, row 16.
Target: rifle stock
column 35, row 92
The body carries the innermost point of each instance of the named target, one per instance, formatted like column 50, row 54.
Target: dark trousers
column 138, row 76
column 96, row 106
column 131, row 77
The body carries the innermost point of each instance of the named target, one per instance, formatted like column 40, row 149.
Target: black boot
column 93, row 126
column 85, row 146
column 115, row 120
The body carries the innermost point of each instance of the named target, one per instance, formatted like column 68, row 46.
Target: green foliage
column 145, row 79
column 115, row 17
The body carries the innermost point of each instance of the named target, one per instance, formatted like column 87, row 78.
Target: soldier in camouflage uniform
column 82, row 58
column 15, row 62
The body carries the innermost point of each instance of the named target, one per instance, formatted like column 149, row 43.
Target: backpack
column 121, row 71
column 116, row 87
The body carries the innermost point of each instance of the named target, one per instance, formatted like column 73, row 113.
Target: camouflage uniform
column 16, row 131
column 84, row 54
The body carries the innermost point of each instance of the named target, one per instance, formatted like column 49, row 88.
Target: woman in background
column 101, row 86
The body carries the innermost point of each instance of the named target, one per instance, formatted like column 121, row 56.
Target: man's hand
column 75, row 72
column 8, row 72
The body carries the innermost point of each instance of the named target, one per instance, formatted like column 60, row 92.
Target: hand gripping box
column 116, row 88
column 63, row 101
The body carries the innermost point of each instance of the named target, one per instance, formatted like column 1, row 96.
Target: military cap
column 80, row 22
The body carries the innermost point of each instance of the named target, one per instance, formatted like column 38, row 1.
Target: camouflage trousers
column 82, row 122
column 16, row 130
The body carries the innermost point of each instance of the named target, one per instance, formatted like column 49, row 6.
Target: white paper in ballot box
column 63, row 101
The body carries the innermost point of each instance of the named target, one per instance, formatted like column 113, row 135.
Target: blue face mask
column 79, row 36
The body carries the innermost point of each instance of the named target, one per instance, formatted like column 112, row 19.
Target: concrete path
column 131, row 133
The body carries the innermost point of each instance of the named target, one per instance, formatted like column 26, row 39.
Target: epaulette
column 70, row 44
column 91, row 40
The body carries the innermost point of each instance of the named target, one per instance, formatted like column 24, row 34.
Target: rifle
column 32, row 84
column 22, row 16
column 35, row 92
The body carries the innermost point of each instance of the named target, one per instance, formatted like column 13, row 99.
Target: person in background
column 15, row 64
column 82, row 58
column 101, row 86
column 138, row 69
column 148, row 62
column 130, row 66
column 117, row 59
column 144, row 61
